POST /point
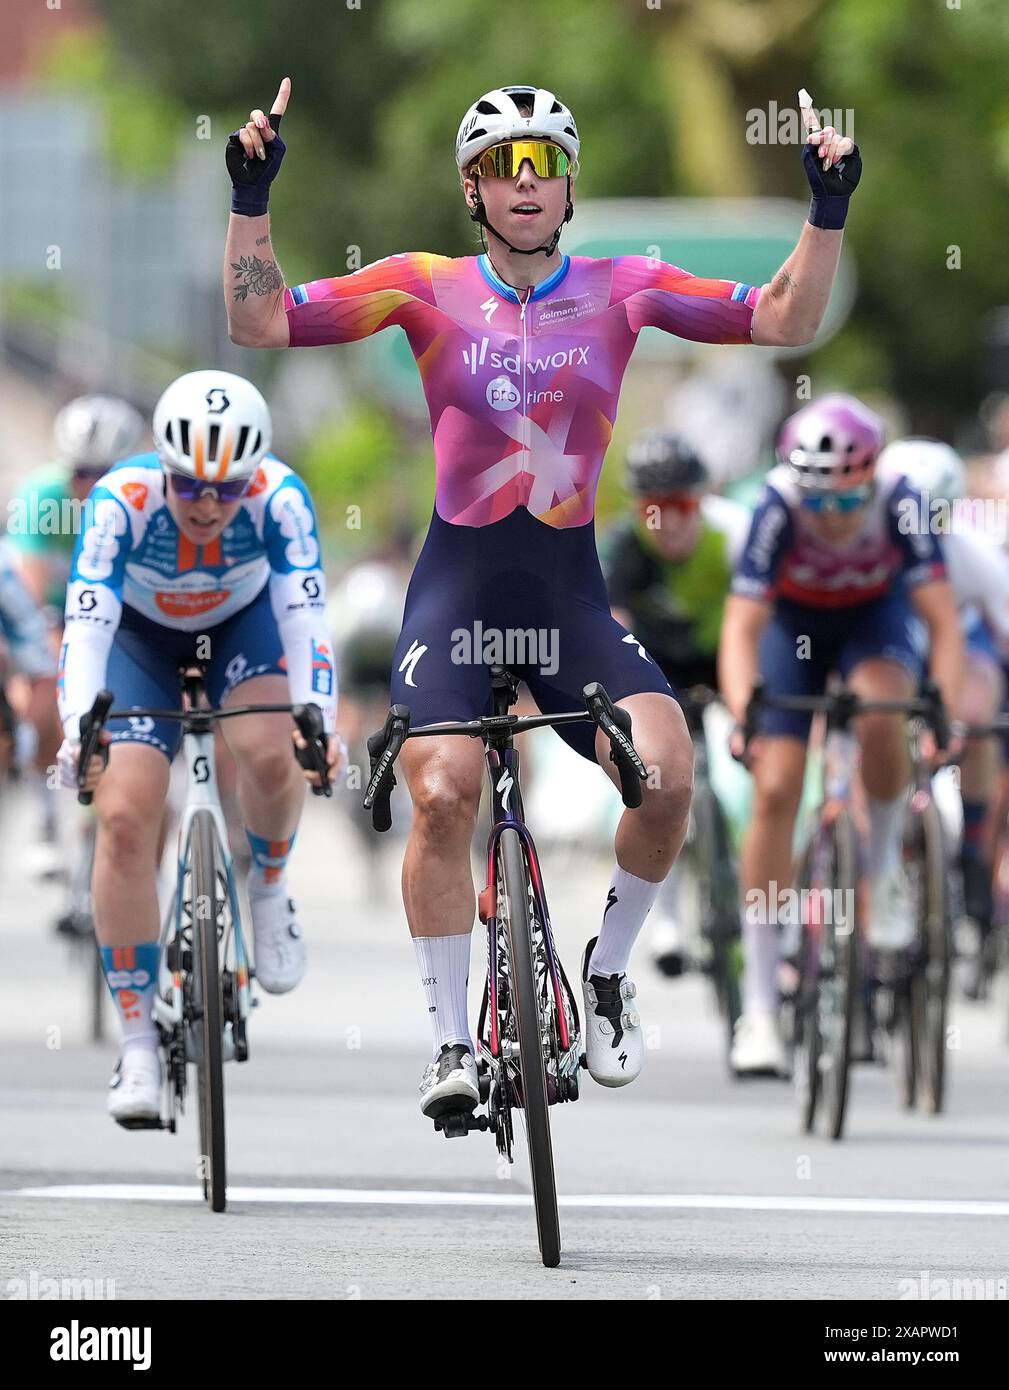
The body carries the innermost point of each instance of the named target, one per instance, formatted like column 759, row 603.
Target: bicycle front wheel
column 514, row 906
column 830, row 989
column 208, row 1022
column 930, row 984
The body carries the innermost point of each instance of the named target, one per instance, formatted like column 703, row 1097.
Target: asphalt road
column 684, row 1185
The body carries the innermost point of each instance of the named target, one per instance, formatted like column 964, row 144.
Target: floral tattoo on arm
column 256, row 276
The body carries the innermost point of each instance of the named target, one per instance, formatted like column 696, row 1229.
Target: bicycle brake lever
column 308, row 718
column 383, row 750
column 616, row 725
column 92, row 724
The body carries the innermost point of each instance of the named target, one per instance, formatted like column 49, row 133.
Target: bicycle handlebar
column 385, row 745
column 844, row 705
column 307, row 718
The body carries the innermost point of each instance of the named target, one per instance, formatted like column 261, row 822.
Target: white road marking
column 392, row 1197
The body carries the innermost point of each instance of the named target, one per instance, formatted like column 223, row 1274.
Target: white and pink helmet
column 831, row 445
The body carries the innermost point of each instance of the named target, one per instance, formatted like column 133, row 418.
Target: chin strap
column 478, row 213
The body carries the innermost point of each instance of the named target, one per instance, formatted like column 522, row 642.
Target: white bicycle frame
column 202, row 795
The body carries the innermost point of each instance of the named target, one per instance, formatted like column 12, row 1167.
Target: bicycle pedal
column 455, row 1123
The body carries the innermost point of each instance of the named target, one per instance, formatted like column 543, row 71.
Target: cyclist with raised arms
column 668, row 566
column 204, row 551
column 521, row 353
column 832, row 579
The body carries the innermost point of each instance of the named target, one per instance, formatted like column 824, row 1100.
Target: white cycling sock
column 628, row 903
column 260, row 884
column 886, row 819
column 444, row 973
column 760, row 952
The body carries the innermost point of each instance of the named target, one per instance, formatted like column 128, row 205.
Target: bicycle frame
column 202, row 795
column 502, row 762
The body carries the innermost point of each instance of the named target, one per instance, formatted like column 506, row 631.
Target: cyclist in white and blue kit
column 204, row 550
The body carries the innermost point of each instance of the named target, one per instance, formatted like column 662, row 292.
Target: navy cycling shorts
column 143, row 669
column 521, row 594
column 801, row 647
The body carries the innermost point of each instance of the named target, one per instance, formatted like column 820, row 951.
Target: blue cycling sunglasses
column 838, row 501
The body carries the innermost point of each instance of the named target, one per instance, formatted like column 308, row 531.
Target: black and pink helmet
column 831, row 445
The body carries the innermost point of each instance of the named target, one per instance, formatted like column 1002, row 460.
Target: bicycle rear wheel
column 208, row 1022
column 514, row 905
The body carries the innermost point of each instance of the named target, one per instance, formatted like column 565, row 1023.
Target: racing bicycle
column 843, row 994
column 529, row 1032
column 204, row 998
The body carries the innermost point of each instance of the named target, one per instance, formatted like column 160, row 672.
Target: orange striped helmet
column 212, row 425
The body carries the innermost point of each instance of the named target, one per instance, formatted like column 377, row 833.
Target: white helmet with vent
column 496, row 117
column 212, row 425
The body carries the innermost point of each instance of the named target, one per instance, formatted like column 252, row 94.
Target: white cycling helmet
column 212, row 425
column 496, row 117
column 929, row 465
column 94, row 432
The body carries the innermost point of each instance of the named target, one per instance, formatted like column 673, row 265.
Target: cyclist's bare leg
column 885, row 764
column 980, row 700
column 128, row 805
column 650, row 836
column 271, row 788
column 444, row 777
column 777, row 764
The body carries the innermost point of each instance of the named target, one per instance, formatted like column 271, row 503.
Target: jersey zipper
column 526, row 427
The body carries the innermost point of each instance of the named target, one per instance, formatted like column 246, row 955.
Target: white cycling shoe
column 134, row 1099
column 450, row 1083
column 891, row 912
column 757, row 1049
column 279, row 944
column 614, row 1045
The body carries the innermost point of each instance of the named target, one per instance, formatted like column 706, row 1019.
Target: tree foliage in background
column 661, row 95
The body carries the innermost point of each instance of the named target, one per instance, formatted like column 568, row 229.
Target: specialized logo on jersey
column 322, row 668
column 409, row 662
column 135, row 494
column 179, row 604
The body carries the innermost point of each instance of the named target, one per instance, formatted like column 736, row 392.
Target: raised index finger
column 282, row 98
column 809, row 117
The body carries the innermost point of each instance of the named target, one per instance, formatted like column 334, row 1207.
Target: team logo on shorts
column 409, row 662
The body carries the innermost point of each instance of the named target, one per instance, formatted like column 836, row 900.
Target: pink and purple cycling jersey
column 522, row 386
column 786, row 559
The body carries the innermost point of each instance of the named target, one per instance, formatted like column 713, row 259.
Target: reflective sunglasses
column 192, row 489
column 686, row 503
column 505, row 160
column 841, row 502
